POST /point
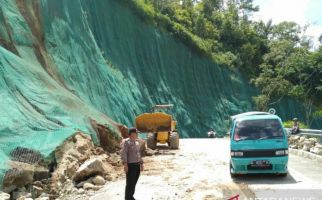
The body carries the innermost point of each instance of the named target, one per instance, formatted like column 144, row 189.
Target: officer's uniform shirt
column 130, row 152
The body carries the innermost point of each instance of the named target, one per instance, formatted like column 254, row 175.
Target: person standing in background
column 132, row 161
column 211, row 133
column 296, row 127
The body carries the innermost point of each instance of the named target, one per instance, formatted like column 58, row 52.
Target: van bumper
column 241, row 165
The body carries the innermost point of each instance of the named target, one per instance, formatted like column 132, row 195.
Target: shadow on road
column 264, row 179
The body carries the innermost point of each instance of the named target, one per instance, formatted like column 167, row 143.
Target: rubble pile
column 306, row 144
column 77, row 167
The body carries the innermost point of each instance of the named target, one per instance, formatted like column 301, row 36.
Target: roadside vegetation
column 279, row 59
column 289, row 124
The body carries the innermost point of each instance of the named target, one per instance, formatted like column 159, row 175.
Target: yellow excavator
column 159, row 126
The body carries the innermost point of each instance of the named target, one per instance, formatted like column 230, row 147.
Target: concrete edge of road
column 306, row 154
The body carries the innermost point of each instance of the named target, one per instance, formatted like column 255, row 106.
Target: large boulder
column 18, row 177
column 22, row 174
column 92, row 167
column 75, row 150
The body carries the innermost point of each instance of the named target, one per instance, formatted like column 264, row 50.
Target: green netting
column 83, row 59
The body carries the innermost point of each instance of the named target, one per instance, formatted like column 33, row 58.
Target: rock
column 84, row 143
column 294, row 146
column 20, row 175
column 81, row 191
column 315, row 140
column 37, row 191
column 42, row 198
column 73, row 151
column 72, row 168
column 25, row 198
column 302, row 139
column 92, row 167
column 44, row 195
column 38, row 184
column 150, row 152
column 308, row 144
column 115, row 159
column 99, row 151
column 306, row 147
column 316, row 150
column 81, row 184
column 77, row 146
column 21, row 195
column 41, row 173
column 4, row 196
column 98, row 180
column 88, row 186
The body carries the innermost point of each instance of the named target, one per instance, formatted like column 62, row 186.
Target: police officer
column 132, row 161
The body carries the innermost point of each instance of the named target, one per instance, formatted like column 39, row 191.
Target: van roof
column 254, row 115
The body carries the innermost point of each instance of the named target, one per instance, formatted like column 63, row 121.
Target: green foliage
column 277, row 58
column 291, row 69
column 222, row 33
column 289, row 124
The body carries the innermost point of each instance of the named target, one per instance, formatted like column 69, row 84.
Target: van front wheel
column 232, row 175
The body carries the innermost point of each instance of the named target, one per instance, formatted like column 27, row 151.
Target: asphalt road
column 200, row 170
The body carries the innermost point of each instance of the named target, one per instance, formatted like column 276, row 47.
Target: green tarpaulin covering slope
column 65, row 62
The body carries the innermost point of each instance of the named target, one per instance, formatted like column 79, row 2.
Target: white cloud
column 283, row 10
column 314, row 31
column 289, row 10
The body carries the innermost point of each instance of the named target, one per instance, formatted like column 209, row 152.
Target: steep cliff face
column 64, row 63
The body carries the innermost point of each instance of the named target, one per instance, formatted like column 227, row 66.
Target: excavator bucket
column 153, row 122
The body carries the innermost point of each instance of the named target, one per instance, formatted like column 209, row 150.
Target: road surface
column 200, row 170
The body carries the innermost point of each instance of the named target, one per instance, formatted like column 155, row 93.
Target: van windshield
column 258, row 129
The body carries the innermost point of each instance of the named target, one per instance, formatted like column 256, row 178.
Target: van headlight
column 236, row 153
column 281, row 152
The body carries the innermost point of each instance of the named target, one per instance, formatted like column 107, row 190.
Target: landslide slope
column 64, row 63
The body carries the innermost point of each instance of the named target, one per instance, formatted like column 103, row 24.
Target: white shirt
column 211, row 133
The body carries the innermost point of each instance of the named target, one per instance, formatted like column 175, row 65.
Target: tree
column 286, row 31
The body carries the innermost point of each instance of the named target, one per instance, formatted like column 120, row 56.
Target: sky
column 301, row 11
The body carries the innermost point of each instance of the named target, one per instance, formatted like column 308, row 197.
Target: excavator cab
column 159, row 126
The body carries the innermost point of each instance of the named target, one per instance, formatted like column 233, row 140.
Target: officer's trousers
column 132, row 177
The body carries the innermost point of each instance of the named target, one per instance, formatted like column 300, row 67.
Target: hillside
column 64, row 64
